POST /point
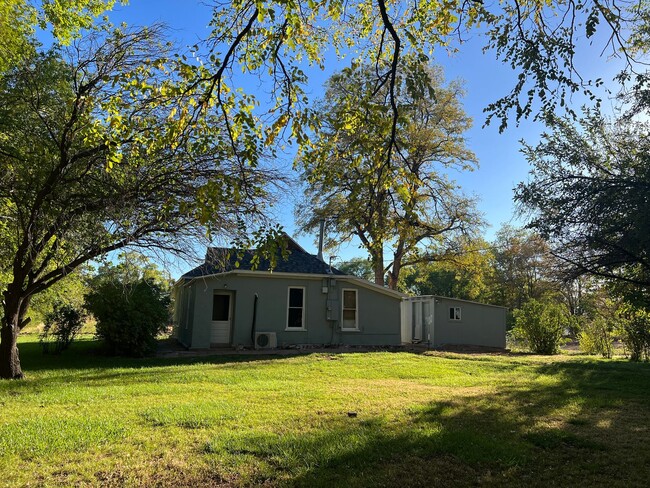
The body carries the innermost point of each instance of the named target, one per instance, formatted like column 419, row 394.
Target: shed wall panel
column 480, row 325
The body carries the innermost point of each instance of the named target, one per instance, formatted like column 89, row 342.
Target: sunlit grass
column 354, row 419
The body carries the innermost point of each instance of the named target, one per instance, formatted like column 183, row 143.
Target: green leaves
column 536, row 38
column 101, row 148
column 587, row 194
column 539, row 326
column 593, row 19
column 403, row 203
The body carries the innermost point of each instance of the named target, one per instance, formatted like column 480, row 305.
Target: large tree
column 466, row 272
column 407, row 203
column 523, row 267
column 98, row 151
column 588, row 194
column 285, row 40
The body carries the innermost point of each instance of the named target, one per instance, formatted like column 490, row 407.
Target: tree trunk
column 393, row 276
column 396, row 268
column 378, row 265
column 9, row 359
column 9, row 330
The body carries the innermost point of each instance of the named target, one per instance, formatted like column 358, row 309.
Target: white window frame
column 304, row 296
column 459, row 314
column 356, row 310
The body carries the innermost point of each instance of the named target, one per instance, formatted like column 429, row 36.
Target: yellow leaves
column 335, row 9
column 273, row 131
column 348, row 125
column 112, row 159
column 115, row 121
column 69, row 17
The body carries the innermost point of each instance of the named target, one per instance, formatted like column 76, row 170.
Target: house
column 226, row 301
column 441, row 321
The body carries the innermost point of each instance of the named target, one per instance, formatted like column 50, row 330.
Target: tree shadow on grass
column 579, row 424
column 605, row 379
column 88, row 354
column 86, row 360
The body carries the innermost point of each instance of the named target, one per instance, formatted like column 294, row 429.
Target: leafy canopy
column 98, row 153
column 588, row 195
column 407, row 202
column 19, row 20
column 282, row 40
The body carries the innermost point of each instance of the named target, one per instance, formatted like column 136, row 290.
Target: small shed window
column 454, row 313
column 350, row 310
column 296, row 308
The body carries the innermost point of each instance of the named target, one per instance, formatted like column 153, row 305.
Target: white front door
column 221, row 318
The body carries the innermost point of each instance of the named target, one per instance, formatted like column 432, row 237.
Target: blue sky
column 501, row 165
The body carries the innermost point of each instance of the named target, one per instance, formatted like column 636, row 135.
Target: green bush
column 129, row 316
column 539, row 326
column 62, row 325
column 596, row 337
column 635, row 332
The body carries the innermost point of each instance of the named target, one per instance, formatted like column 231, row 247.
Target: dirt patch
column 467, row 349
column 172, row 348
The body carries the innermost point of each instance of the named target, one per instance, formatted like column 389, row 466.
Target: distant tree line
column 546, row 304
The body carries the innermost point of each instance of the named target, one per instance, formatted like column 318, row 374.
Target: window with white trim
column 454, row 313
column 296, row 308
column 350, row 312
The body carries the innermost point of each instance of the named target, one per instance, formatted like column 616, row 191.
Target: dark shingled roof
column 221, row 260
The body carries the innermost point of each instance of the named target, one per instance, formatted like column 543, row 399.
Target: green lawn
column 421, row 420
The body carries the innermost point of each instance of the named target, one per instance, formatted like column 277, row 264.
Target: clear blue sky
column 486, row 79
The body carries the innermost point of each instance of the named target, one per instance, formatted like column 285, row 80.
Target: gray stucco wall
column 480, row 325
column 183, row 314
column 378, row 314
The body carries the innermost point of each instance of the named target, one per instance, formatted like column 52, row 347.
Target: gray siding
column 378, row 314
column 183, row 314
column 480, row 325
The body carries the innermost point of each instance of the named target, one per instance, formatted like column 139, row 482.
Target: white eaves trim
column 372, row 286
column 428, row 297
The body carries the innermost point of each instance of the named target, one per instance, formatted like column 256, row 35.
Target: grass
column 353, row 419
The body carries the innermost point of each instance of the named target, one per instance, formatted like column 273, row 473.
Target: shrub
column 635, row 332
column 596, row 337
column 539, row 326
column 129, row 316
column 62, row 325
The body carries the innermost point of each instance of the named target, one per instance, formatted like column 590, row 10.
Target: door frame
column 231, row 310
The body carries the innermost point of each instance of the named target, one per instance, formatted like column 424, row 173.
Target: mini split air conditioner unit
column 265, row 340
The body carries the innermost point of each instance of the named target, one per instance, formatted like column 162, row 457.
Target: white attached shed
column 441, row 321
